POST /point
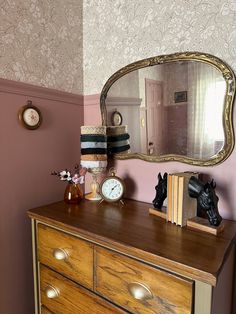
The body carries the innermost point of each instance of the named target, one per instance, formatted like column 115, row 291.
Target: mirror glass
column 174, row 110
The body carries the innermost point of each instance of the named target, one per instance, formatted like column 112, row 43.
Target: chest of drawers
column 91, row 258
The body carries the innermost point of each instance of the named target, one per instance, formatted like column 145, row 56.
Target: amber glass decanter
column 73, row 193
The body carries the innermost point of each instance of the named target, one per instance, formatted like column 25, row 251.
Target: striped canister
column 93, row 141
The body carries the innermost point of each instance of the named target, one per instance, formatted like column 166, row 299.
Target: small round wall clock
column 30, row 116
column 116, row 118
column 112, row 188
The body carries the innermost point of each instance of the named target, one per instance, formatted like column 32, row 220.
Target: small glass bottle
column 73, row 193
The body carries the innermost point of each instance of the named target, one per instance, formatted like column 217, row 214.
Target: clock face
column 112, row 189
column 116, row 118
column 31, row 117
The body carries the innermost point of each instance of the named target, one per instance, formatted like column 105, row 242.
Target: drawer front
column 140, row 288
column 66, row 254
column 60, row 296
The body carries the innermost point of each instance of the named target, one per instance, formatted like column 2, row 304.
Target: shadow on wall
column 130, row 184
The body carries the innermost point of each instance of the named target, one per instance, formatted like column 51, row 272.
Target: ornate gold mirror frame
column 227, row 74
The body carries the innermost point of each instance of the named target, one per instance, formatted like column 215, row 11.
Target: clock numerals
column 112, row 189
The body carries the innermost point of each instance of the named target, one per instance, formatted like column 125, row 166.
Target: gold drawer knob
column 51, row 292
column 139, row 291
column 60, row 254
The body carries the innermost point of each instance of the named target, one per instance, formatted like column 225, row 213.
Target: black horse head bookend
column 161, row 191
column 207, row 200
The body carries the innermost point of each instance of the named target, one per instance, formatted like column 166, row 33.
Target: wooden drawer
column 60, row 295
column 77, row 264
column 140, row 288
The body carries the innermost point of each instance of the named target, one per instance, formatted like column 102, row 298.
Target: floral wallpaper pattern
column 41, row 43
column 75, row 45
column 119, row 32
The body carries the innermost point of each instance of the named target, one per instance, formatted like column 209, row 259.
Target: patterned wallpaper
column 41, row 43
column 119, row 32
column 59, row 44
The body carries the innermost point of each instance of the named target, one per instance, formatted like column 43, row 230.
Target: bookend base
column 158, row 212
column 202, row 224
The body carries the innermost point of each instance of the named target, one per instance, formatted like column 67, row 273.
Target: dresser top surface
column 131, row 230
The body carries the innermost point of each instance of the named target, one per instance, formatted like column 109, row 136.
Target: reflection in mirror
column 175, row 109
column 179, row 107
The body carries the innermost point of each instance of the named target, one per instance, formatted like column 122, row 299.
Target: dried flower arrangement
column 76, row 178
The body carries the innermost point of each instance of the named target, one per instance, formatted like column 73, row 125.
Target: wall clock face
column 30, row 117
column 112, row 188
column 116, row 118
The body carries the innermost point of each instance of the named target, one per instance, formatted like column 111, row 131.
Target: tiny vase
column 73, row 193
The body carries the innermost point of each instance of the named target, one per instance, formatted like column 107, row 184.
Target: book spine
column 169, row 198
column 175, row 198
column 180, row 201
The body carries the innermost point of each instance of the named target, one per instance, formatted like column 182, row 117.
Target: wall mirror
column 177, row 107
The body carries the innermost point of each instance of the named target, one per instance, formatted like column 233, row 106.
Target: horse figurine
column 207, row 200
column 161, row 191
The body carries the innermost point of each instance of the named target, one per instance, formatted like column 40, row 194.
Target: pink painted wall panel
column 141, row 176
column 27, row 159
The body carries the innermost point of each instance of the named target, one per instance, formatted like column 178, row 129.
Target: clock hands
column 113, row 188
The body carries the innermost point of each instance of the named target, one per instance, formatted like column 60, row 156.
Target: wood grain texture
column 72, row 298
column 131, row 230
column 114, row 273
column 157, row 212
column 203, row 224
column 44, row 310
column 78, row 266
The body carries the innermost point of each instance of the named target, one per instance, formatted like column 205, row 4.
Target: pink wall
column 27, row 159
column 141, row 176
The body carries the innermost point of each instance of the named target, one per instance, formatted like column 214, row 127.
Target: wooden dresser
column 108, row 258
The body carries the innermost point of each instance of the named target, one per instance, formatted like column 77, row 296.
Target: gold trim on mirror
column 227, row 74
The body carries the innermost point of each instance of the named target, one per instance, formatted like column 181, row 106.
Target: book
column 175, row 195
column 169, row 198
column 180, row 201
column 187, row 206
column 180, row 206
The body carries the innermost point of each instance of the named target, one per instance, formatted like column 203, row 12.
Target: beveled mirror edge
column 229, row 77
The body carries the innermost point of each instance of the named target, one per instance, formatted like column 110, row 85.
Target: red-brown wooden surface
column 133, row 231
